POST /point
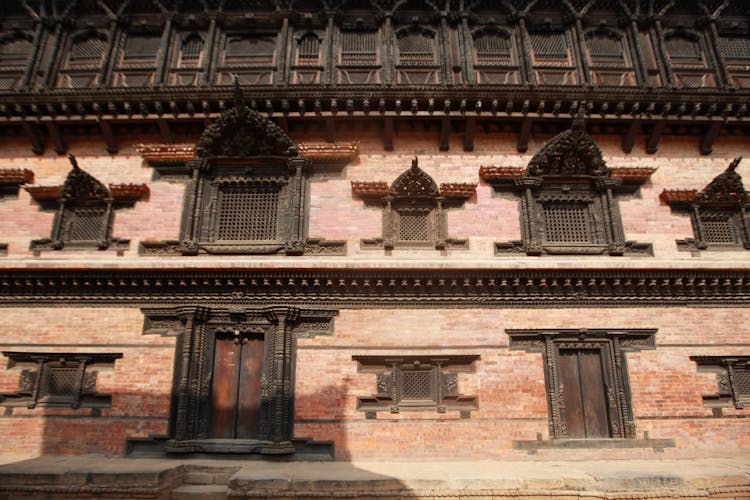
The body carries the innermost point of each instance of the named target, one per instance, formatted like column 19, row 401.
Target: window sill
column 532, row 447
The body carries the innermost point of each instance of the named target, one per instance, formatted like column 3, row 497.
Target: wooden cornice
column 16, row 176
column 119, row 192
column 677, row 196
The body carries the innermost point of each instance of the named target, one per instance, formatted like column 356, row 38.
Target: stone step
column 208, row 475
column 200, row 492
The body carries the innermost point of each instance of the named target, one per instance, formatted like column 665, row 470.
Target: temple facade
column 373, row 229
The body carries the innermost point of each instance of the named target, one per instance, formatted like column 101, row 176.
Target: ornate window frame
column 84, row 211
column 495, row 70
column 52, row 379
column 10, row 181
column 244, row 153
column 432, row 381
column 723, row 202
column 569, row 173
column 613, row 343
column 732, row 377
column 414, row 195
column 195, row 328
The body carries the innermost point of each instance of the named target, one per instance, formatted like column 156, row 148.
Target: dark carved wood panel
column 249, row 393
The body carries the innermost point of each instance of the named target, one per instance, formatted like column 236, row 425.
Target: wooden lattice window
column 409, row 383
column 414, row 224
column 718, row 213
column 191, row 50
column 683, row 49
column 733, row 378
column 308, row 50
column 567, row 222
column 585, row 371
column 734, row 49
column 605, row 49
column 248, row 213
column 250, row 49
column 359, row 48
column 141, row 47
column 88, row 51
column 549, row 47
column 493, row 48
column 416, row 48
column 58, row 379
column 15, row 52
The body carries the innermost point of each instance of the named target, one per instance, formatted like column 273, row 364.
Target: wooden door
column 235, row 395
column 585, row 393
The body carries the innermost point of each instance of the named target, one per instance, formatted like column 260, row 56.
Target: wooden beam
column 628, row 139
column 388, row 133
column 445, row 132
column 707, row 142
column 652, row 143
column 524, row 135
column 37, row 144
column 109, row 136
column 54, row 132
column 471, row 125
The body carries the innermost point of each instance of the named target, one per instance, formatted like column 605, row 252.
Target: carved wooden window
column 718, row 213
column 408, row 383
column 247, row 193
column 82, row 66
column 137, row 63
column 187, row 59
column 416, row 57
column 414, row 210
column 190, row 53
column 307, row 67
column 733, row 378
column 688, row 60
column 568, row 200
column 588, row 392
column 84, row 211
column 552, row 62
column 359, row 61
column 495, row 60
column 15, row 51
column 735, row 50
column 308, row 50
column 58, row 379
column 608, row 59
column 251, row 58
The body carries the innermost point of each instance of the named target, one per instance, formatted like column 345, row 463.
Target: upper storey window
column 608, row 59
column 552, row 62
column 83, row 62
column 14, row 56
column 251, row 57
column 494, row 57
column 416, row 56
column 308, row 50
column 187, row 58
column 137, row 62
column 359, row 58
column 734, row 47
column 688, row 60
column 308, row 64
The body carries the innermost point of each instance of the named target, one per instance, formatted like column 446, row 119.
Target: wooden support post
column 330, row 129
column 388, row 133
column 707, row 142
column 445, row 130
column 54, row 132
column 524, row 134
column 471, row 125
column 652, row 143
column 109, row 137
column 165, row 131
column 37, row 145
column 628, row 140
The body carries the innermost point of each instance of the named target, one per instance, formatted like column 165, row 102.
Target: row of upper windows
column 416, row 54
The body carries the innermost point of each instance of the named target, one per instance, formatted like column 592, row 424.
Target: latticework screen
column 416, row 385
column 734, row 48
column 85, row 224
column 413, row 226
column 605, row 49
column 247, row 214
column 191, row 49
column 493, row 48
column 684, row 50
column 359, row 47
column 567, row 222
column 549, row 47
column 90, row 50
column 308, row 50
column 58, row 382
column 741, row 382
column 416, row 48
column 142, row 46
column 718, row 227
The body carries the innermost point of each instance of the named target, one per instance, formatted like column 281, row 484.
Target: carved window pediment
column 414, row 210
column 84, row 211
column 568, row 199
column 718, row 213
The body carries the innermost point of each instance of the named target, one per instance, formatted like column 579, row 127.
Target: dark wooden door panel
column 571, row 388
column 248, row 396
column 224, row 389
column 593, row 393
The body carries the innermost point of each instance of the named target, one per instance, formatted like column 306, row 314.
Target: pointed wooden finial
column 73, row 161
column 239, row 98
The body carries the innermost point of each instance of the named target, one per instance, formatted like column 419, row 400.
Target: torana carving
column 725, row 187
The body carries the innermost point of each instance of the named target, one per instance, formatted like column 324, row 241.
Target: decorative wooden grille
column 493, row 48
column 549, row 47
column 416, row 49
column 684, row 50
column 417, row 385
column 85, row 224
column 718, row 226
column 734, row 48
column 359, row 47
column 15, row 52
column 89, row 50
column 605, row 49
column 741, row 383
column 414, row 225
column 567, row 222
column 732, row 377
column 59, row 382
column 255, row 50
column 191, row 49
column 142, row 46
column 308, row 50
column 248, row 213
